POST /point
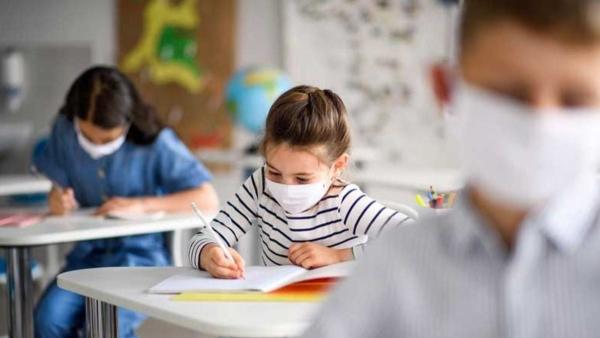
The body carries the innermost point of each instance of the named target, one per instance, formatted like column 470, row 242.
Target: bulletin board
column 180, row 55
column 375, row 54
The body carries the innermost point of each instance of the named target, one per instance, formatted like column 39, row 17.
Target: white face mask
column 296, row 198
column 520, row 156
column 97, row 151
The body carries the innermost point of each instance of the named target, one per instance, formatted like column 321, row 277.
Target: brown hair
column 573, row 21
column 306, row 116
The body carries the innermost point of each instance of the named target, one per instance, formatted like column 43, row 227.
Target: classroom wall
column 60, row 22
column 259, row 42
column 377, row 56
column 259, row 33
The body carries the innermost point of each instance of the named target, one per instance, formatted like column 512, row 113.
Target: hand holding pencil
column 216, row 258
column 61, row 200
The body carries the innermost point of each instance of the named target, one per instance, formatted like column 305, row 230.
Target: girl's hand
column 122, row 205
column 61, row 201
column 213, row 260
column 311, row 255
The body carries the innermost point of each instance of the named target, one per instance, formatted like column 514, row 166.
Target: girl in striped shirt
column 306, row 215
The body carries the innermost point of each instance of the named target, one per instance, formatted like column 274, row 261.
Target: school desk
column 414, row 180
column 16, row 185
column 106, row 289
column 55, row 230
column 23, row 184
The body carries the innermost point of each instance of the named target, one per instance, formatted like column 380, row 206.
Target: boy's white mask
column 519, row 155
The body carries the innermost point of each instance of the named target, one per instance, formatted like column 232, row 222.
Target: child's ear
column 341, row 163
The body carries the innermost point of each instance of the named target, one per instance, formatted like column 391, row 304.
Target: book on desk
column 262, row 283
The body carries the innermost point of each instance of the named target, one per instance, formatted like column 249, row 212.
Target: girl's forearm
column 204, row 196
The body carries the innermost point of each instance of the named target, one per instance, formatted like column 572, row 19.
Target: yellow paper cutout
column 158, row 16
column 250, row 297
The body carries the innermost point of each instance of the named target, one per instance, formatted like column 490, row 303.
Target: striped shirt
column 342, row 220
column 452, row 276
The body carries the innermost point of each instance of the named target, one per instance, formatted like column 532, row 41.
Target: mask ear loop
column 336, row 177
column 127, row 129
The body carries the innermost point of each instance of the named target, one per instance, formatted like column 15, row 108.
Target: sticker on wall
column 168, row 46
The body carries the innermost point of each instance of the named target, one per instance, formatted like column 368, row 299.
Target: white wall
column 259, row 36
column 379, row 66
column 259, row 42
column 60, row 22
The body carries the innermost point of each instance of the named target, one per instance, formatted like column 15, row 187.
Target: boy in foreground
column 519, row 256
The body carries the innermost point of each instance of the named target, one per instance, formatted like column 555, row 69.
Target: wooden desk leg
column 100, row 319
column 20, row 293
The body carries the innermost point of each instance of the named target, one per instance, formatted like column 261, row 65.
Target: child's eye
column 577, row 100
column 272, row 173
column 301, row 180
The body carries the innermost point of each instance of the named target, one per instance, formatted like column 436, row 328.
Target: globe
column 251, row 92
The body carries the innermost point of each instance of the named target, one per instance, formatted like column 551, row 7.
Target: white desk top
column 23, row 184
column 418, row 180
column 127, row 287
column 81, row 227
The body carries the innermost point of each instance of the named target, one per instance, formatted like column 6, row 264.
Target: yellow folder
column 308, row 291
column 248, row 297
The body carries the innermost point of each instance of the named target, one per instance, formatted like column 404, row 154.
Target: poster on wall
column 375, row 54
column 180, row 54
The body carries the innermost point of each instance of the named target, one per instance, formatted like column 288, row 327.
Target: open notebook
column 258, row 279
column 136, row 216
column 90, row 214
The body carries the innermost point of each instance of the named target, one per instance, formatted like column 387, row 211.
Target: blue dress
column 163, row 167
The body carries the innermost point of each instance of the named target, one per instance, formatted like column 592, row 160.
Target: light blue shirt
column 163, row 167
column 452, row 276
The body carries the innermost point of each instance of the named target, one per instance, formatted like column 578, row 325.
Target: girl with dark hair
column 109, row 150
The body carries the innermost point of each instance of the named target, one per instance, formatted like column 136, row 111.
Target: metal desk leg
column 100, row 319
column 20, row 293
